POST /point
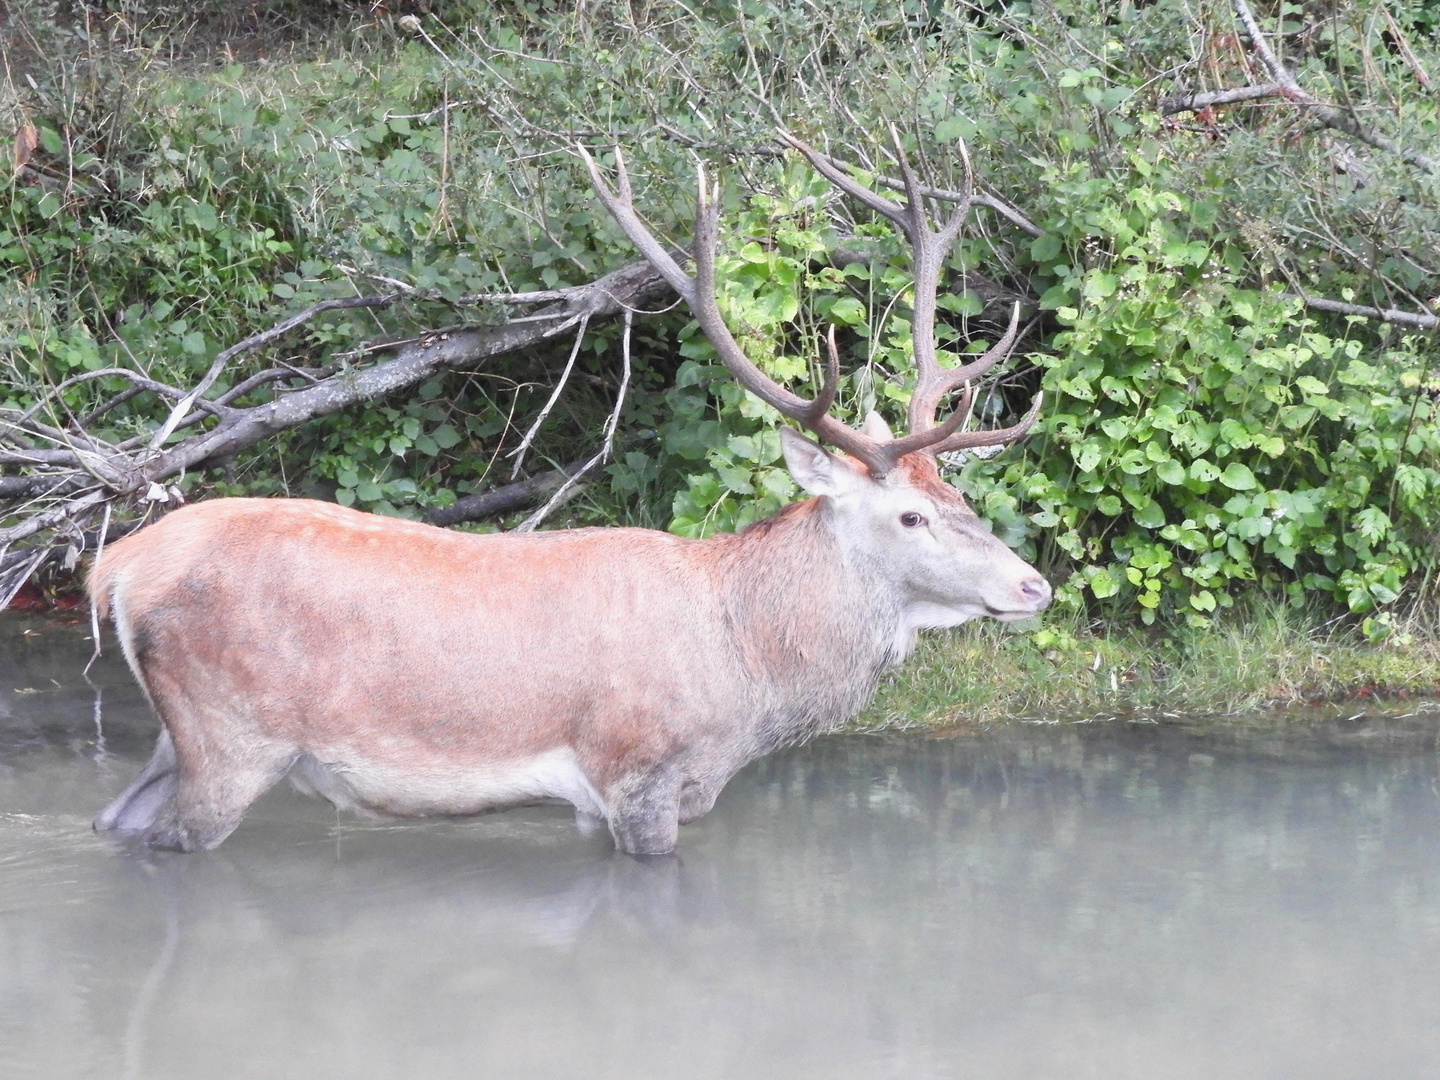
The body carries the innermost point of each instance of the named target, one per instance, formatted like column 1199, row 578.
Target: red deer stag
column 400, row 669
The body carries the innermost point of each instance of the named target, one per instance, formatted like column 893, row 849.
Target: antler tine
column 914, row 197
column 813, row 414
column 826, row 397
column 997, row 437
column 926, row 399
column 928, row 438
column 967, row 192
column 832, row 172
column 928, row 254
column 623, row 211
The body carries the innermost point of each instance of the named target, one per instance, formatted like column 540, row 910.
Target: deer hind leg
column 213, row 790
column 195, row 789
column 136, row 808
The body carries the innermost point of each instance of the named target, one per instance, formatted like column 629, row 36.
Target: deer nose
column 1037, row 591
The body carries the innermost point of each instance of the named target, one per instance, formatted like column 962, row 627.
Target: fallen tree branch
column 1389, row 315
column 63, row 488
column 1211, row 98
column 497, row 502
column 1332, row 117
column 181, row 411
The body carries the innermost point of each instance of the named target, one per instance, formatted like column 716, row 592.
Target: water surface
column 1256, row 898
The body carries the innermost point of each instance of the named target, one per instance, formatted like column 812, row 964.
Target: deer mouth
column 1011, row 614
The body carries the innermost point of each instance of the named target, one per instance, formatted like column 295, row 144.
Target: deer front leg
column 644, row 812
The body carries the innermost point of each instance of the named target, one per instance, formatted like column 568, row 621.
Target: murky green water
column 1107, row 900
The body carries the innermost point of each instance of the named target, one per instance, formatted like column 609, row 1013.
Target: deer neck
column 813, row 624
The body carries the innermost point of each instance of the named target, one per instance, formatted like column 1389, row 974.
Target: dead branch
column 497, row 502
column 571, row 486
column 1389, row 315
column 1406, row 52
column 1284, row 85
column 181, row 411
column 56, row 491
column 1211, row 98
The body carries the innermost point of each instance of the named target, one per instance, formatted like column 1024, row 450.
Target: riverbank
column 987, row 673
column 1265, row 659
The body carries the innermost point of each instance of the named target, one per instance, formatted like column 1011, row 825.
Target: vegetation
column 1260, row 656
column 1222, row 238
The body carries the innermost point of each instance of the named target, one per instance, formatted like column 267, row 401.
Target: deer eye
column 911, row 520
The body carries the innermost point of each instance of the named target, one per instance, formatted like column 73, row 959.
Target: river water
column 1248, row 898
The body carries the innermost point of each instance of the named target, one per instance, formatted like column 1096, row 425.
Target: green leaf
column 1044, row 248
column 1171, row 472
column 1099, row 284
column 1150, row 516
column 1202, row 471
column 954, row 128
column 445, row 436
column 1087, row 456
column 1102, row 583
column 1372, row 523
column 847, row 311
column 1238, row 477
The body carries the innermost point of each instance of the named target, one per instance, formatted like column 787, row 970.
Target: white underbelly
column 356, row 784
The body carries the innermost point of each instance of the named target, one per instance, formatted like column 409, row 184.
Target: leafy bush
column 1203, row 436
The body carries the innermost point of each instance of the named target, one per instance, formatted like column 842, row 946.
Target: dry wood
column 1284, row 85
column 57, row 490
column 497, row 502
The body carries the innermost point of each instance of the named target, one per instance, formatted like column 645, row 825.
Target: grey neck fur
column 813, row 626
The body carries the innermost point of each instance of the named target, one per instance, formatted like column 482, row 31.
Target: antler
column 933, row 383
column 930, row 249
column 699, row 293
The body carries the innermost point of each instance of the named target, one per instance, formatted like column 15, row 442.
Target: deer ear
column 875, row 428
column 814, row 469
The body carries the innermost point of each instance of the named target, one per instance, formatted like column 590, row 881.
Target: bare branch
column 1406, row 52
column 140, row 382
column 497, row 502
column 1389, row 315
column 1196, row 102
column 607, row 444
column 1329, row 115
column 182, row 410
column 519, row 452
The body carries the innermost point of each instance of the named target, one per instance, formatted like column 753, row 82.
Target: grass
column 1269, row 656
